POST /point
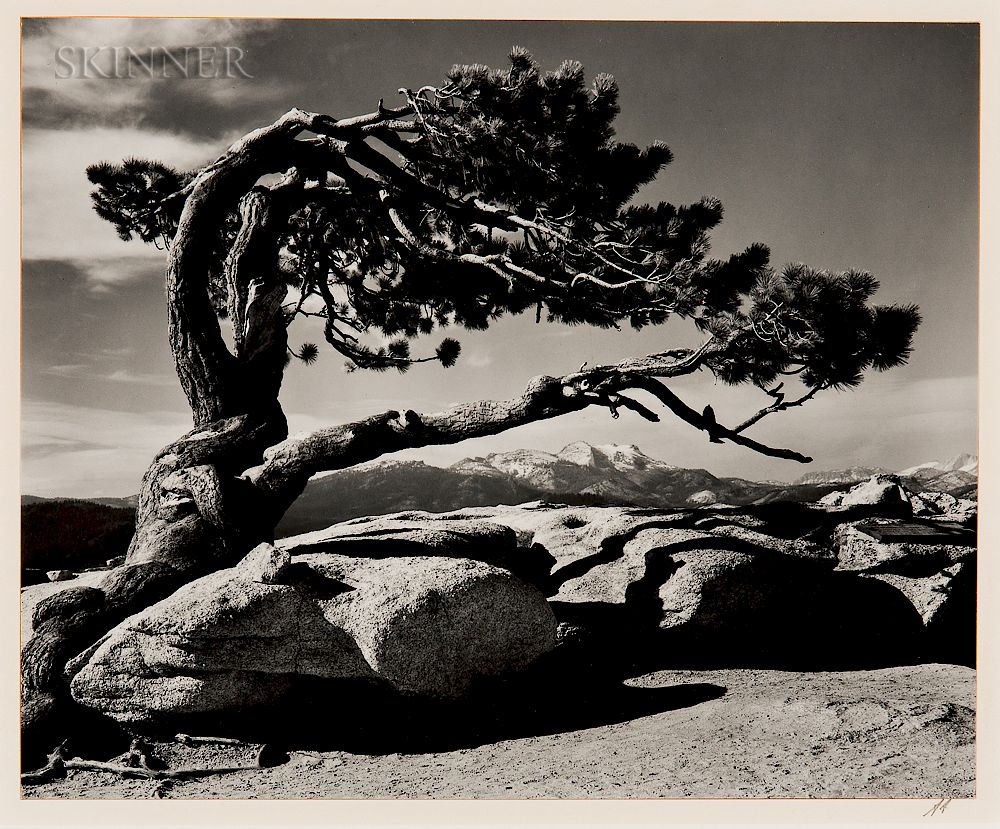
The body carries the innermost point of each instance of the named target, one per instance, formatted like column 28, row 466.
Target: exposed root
column 140, row 756
column 188, row 740
column 141, row 763
column 162, row 789
column 54, row 769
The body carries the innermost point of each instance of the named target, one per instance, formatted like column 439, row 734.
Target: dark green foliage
column 308, row 353
column 131, row 196
column 532, row 141
column 504, row 191
column 448, row 351
column 891, row 335
column 816, row 323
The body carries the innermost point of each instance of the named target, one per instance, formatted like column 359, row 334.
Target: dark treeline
column 73, row 534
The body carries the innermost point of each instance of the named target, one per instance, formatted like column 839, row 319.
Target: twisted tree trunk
column 214, row 494
column 195, row 514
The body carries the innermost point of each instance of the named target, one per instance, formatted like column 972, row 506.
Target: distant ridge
column 580, row 473
column 851, row 475
column 960, row 463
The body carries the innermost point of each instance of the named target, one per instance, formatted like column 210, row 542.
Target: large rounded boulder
column 425, row 625
column 882, row 492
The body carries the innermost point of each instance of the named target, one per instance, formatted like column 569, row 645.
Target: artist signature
column 939, row 807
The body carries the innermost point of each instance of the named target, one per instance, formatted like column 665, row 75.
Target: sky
column 837, row 145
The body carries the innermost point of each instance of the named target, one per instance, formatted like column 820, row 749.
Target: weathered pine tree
column 497, row 192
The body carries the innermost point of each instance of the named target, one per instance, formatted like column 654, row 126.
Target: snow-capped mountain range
column 580, row 473
column 960, row 463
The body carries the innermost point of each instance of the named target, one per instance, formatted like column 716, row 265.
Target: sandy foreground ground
column 890, row 733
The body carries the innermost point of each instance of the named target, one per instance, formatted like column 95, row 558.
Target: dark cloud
column 344, row 66
column 33, row 27
column 176, row 108
column 160, row 96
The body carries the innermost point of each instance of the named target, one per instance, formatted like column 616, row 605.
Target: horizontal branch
column 716, row 431
column 290, row 464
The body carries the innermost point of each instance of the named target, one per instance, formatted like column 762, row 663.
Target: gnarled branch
column 288, row 466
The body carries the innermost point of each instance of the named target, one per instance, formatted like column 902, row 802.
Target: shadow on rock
column 837, row 623
column 951, row 633
column 828, row 621
column 84, row 733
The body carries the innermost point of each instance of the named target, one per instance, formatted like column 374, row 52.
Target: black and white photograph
column 484, row 410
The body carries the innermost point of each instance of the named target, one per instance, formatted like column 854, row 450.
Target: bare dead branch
column 616, row 401
column 717, row 431
column 779, row 405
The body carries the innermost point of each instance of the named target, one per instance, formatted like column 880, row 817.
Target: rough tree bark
column 194, row 514
column 211, row 496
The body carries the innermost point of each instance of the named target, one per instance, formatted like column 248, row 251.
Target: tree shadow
column 364, row 718
column 611, row 548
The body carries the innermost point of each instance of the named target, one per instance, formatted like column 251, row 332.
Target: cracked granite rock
column 425, row 625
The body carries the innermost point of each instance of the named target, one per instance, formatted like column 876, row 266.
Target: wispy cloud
column 40, row 446
column 122, row 352
column 58, row 221
column 142, row 378
column 67, row 370
column 479, row 359
column 92, row 372
column 105, row 276
column 82, row 451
